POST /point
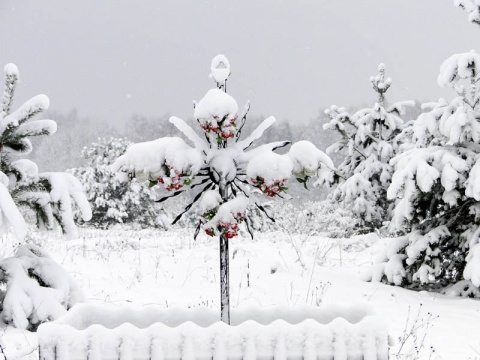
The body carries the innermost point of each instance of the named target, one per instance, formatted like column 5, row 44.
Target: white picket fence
column 162, row 334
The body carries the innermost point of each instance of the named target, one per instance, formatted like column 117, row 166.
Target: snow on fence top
column 84, row 315
column 330, row 333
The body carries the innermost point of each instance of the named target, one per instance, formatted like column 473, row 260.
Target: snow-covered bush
column 369, row 138
column 325, row 218
column 436, row 188
column 114, row 201
column 37, row 289
column 51, row 195
column 223, row 164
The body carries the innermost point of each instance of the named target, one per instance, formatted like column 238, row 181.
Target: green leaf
column 304, row 181
column 151, row 183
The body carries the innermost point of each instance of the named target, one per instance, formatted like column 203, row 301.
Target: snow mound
column 270, row 167
column 216, row 106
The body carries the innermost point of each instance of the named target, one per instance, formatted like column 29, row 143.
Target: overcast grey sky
column 109, row 59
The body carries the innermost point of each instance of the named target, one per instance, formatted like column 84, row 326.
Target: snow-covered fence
column 100, row 332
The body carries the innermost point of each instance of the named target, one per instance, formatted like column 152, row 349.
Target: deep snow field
column 123, row 266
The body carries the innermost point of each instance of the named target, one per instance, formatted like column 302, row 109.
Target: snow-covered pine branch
column 10, row 217
column 50, row 195
column 11, row 79
column 472, row 7
column 37, row 289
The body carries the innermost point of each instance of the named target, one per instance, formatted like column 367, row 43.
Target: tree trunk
column 224, row 268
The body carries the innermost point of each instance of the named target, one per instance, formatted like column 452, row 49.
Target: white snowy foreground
column 169, row 269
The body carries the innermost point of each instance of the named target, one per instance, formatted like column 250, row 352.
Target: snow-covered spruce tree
column 472, row 7
column 48, row 194
column 114, row 201
column 436, row 188
column 224, row 166
column 369, row 139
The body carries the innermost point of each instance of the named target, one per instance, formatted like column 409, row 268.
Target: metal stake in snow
column 224, row 267
column 232, row 176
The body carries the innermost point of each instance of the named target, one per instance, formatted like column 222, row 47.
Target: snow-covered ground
column 122, row 266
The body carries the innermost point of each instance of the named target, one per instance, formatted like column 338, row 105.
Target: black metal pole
column 224, row 267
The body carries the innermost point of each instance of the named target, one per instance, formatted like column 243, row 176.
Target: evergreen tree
column 370, row 138
column 436, row 187
column 48, row 194
column 114, row 201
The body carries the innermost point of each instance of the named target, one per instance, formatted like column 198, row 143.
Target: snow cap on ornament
column 220, row 70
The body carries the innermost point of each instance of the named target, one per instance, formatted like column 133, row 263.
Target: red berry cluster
column 229, row 229
column 223, row 129
column 208, row 127
column 173, row 179
column 270, row 189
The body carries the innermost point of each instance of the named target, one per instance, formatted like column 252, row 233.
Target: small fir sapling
column 369, row 138
column 51, row 195
column 223, row 164
column 436, row 188
column 114, row 201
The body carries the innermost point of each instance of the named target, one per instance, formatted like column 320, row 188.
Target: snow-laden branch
column 472, row 7
column 256, row 134
column 181, row 125
column 10, row 216
column 25, row 112
column 11, row 79
column 151, row 159
column 65, row 188
column 35, row 128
